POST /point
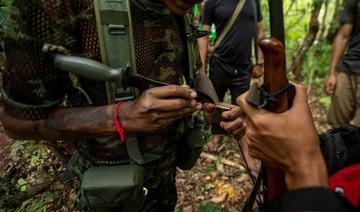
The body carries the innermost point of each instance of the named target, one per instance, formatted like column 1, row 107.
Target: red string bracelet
column 117, row 122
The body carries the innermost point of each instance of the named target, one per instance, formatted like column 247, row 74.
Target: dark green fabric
column 111, row 186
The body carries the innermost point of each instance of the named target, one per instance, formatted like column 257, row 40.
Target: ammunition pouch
column 114, row 187
column 191, row 147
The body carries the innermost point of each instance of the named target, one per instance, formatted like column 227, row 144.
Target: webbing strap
column 113, row 18
column 190, row 47
column 133, row 149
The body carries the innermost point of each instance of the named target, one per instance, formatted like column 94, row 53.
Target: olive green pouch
column 113, row 186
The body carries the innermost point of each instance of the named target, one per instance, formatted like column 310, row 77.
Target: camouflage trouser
column 161, row 195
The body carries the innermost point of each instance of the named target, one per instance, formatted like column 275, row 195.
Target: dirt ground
column 218, row 182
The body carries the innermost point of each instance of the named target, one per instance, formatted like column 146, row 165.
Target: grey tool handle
column 85, row 67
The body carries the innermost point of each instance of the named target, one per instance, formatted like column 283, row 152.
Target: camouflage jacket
column 32, row 88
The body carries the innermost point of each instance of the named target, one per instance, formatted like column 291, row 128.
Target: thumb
column 248, row 109
column 300, row 101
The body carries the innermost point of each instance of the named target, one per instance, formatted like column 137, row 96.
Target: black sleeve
column 258, row 11
column 348, row 15
column 208, row 12
column 310, row 199
column 340, row 147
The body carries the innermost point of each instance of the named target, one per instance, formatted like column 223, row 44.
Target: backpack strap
column 114, row 24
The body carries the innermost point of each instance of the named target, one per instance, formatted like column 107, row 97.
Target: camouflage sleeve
column 31, row 87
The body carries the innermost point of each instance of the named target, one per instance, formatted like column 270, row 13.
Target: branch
column 241, row 167
column 17, row 199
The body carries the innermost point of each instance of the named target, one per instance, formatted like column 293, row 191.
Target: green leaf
column 21, row 183
column 209, row 206
column 23, row 188
column 232, row 210
column 15, row 148
column 25, row 204
column 35, row 159
column 326, row 101
column 207, row 187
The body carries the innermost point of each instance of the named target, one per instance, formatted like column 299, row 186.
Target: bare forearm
column 339, row 48
column 260, row 35
column 203, row 44
column 310, row 173
column 154, row 110
column 66, row 124
column 340, row 43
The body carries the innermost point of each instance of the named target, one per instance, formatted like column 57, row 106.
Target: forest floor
column 218, row 182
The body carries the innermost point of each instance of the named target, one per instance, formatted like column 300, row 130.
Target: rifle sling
column 260, row 98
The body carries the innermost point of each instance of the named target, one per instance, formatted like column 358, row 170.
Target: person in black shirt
column 230, row 65
column 344, row 86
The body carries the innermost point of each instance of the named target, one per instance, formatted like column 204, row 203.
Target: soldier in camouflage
column 42, row 102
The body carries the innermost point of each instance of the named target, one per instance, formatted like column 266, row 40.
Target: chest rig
column 117, row 46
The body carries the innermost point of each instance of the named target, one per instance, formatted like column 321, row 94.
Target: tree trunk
column 309, row 39
column 323, row 21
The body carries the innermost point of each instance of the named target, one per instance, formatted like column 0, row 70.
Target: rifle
column 275, row 80
column 276, row 95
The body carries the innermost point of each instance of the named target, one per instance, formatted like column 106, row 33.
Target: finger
column 249, row 110
column 300, row 99
column 329, row 89
column 171, row 91
column 208, row 107
column 174, row 104
column 169, row 115
column 232, row 114
column 231, row 126
column 238, row 133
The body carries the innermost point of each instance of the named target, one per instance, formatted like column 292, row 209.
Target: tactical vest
column 116, row 38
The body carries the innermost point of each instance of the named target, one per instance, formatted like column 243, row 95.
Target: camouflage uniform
column 32, row 88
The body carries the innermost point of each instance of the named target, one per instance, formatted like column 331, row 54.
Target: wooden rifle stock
column 275, row 79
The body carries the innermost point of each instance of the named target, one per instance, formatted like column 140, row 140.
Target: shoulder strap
column 231, row 21
column 114, row 24
column 113, row 19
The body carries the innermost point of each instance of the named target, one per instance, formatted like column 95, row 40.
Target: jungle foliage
column 310, row 26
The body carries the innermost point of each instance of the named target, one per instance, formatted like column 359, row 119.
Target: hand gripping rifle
column 276, row 94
